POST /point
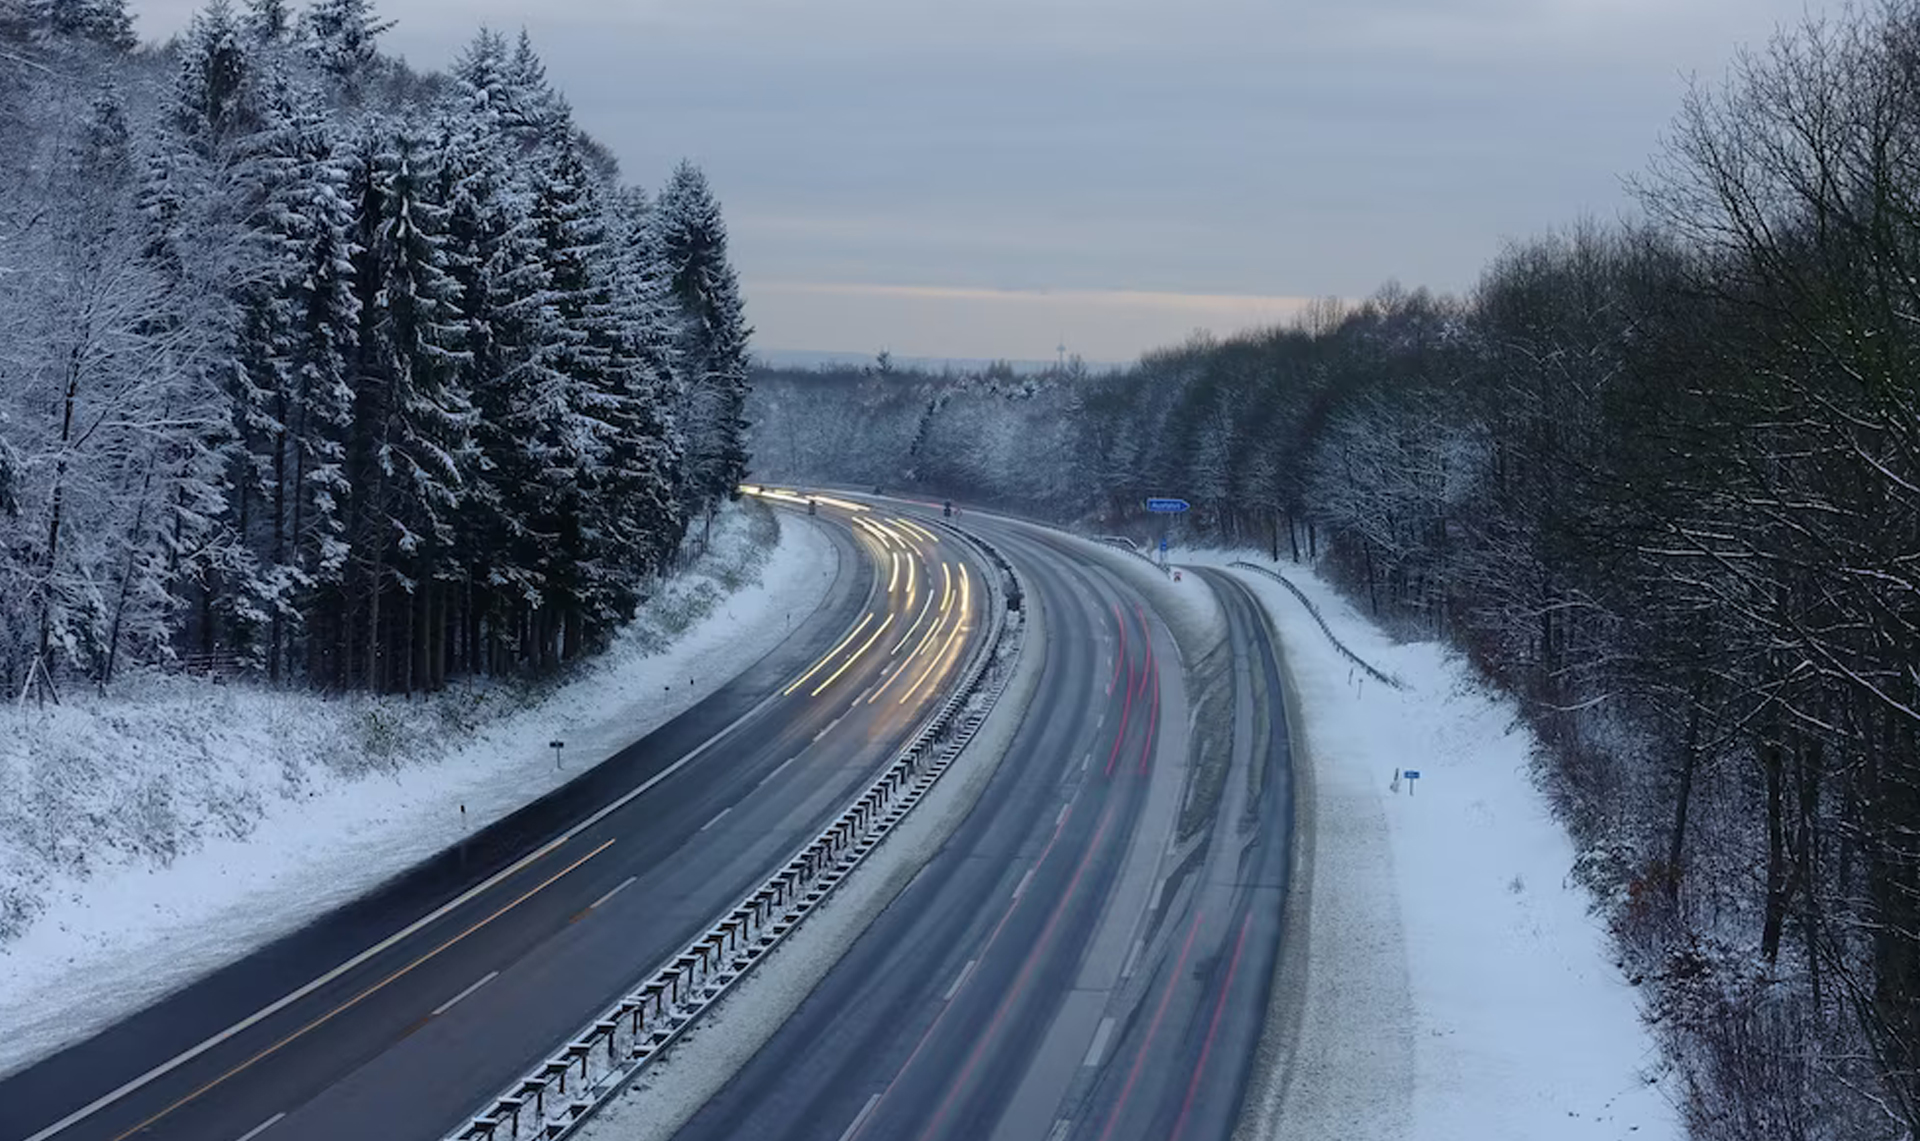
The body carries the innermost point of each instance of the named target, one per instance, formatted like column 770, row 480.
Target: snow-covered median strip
column 674, row 1087
column 1454, row 983
column 149, row 838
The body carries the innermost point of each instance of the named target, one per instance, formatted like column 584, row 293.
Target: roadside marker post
column 1411, row 775
column 556, row 745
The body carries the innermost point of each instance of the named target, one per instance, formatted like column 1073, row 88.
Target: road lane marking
column 1099, row 1046
column 993, row 937
column 1133, row 957
column 1060, row 1129
column 624, row 885
column 1038, row 949
column 257, row 1130
column 424, row 921
column 866, row 1111
column 349, row 1004
column 1021, row 888
column 490, row 976
column 959, row 981
column 1062, row 818
column 1153, row 1028
column 777, row 770
column 717, row 817
column 1213, row 1028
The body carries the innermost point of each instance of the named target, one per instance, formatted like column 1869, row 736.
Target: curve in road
column 405, row 1010
column 1059, row 969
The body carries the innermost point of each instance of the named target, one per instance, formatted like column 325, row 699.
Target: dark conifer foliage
column 319, row 369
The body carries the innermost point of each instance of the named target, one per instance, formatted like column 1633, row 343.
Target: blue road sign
column 1411, row 774
column 1167, row 506
column 1163, row 542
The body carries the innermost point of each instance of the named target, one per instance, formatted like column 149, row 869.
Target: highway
column 1065, row 966
column 398, row 1016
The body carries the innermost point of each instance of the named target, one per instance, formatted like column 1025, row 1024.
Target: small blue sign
column 1163, row 542
column 1411, row 774
column 1167, row 506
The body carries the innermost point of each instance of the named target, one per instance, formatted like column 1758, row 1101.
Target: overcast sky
column 986, row 178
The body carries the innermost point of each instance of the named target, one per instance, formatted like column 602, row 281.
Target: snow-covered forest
column 1659, row 480
column 320, row 368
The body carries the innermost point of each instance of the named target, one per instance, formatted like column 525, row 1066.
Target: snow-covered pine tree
column 570, row 402
column 411, row 424
column 269, row 23
column 493, row 256
column 342, row 41
column 656, row 521
column 103, row 22
column 320, row 341
column 712, row 340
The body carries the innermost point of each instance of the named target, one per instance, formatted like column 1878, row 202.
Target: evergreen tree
column 103, row 22
column 342, row 40
column 712, row 341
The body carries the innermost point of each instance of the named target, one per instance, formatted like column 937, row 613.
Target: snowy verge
column 669, row 1092
column 148, row 838
column 1455, row 984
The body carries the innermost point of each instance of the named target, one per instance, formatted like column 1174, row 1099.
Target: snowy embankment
column 149, row 837
column 1454, row 982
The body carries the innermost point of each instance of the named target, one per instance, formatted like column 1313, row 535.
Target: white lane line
column 265, row 1012
column 1133, row 958
column 257, row 1130
column 865, row 1112
column 1099, row 1046
column 777, row 770
column 624, row 885
column 1062, row 818
column 448, row 1005
column 1060, row 1128
column 1021, row 888
column 828, row 728
column 717, row 817
column 959, row 981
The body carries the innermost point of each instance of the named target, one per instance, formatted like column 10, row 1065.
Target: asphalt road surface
column 395, row 1018
column 1063, row 968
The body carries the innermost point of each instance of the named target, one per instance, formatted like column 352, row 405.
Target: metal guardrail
column 556, row 1098
column 1356, row 659
column 1121, row 542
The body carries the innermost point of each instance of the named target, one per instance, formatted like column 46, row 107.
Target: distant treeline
column 1660, row 482
column 321, row 368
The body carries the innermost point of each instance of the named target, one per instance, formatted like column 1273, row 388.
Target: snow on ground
column 149, row 837
column 1457, row 987
column 672, row 1089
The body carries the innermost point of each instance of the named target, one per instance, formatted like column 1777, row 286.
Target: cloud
column 947, row 321
column 1210, row 147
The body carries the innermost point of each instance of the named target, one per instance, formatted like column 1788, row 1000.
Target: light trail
column 871, row 638
column 802, row 679
column 959, row 626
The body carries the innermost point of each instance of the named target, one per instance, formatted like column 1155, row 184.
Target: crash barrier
column 1356, row 659
column 553, row 1100
column 1123, row 543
